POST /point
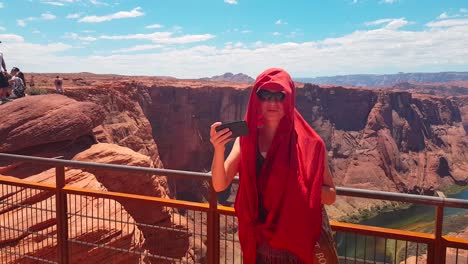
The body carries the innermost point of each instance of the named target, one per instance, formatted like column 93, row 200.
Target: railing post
column 213, row 228
column 438, row 254
column 61, row 215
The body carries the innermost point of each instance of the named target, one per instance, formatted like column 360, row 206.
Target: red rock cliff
column 392, row 141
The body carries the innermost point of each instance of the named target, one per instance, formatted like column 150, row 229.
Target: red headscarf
column 289, row 183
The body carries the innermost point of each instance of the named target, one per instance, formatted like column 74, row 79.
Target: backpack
column 325, row 249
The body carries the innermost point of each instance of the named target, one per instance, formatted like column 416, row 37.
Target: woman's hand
column 219, row 138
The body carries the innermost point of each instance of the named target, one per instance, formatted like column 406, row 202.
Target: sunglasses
column 265, row 95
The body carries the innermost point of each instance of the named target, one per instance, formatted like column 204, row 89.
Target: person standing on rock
column 58, row 85
column 283, row 172
column 4, row 85
column 32, row 84
column 2, row 62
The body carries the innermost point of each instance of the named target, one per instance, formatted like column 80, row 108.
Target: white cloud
column 11, row 38
column 54, row 3
column 96, row 2
column 20, row 52
column 119, row 15
column 48, row 16
column 231, row 45
column 391, row 23
column 389, row 1
column 276, row 33
column 154, row 26
column 378, row 22
column 280, row 22
column 396, row 23
column 36, row 32
column 20, row 23
column 73, row 16
column 139, row 48
column 464, row 10
column 1, row 5
column 448, row 23
column 78, row 37
column 231, row 2
column 44, row 16
column 443, row 16
column 258, row 44
column 379, row 50
column 2, row 28
column 246, row 31
column 162, row 37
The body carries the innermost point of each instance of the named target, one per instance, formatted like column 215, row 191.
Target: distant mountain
column 230, row 77
column 457, row 88
column 375, row 80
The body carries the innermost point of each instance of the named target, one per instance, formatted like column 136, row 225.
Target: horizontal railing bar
column 402, row 197
column 28, row 206
column 140, row 253
column 136, row 223
column 360, row 261
column 24, row 183
column 29, row 231
column 94, row 165
column 226, row 210
column 27, row 256
column 142, row 198
column 382, row 232
column 455, row 242
column 345, row 191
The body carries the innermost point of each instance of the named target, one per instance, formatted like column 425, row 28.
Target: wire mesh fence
column 27, row 225
column 55, row 223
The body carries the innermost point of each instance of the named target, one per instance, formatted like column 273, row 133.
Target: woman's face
column 271, row 110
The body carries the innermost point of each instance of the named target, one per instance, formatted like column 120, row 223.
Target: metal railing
column 55, row 223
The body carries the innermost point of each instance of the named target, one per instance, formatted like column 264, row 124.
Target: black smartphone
column 238, row 128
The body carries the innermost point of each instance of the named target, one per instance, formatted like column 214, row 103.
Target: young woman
column 283, row 171
column 17, row 82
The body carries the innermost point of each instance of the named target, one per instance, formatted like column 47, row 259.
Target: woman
column 17, row 82
column 283, row 171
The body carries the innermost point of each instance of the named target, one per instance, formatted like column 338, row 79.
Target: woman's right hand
column 219, row 138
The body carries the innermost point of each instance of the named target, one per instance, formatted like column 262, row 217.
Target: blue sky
column 191, row 39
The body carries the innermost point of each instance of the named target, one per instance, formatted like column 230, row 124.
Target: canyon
column 380, row 139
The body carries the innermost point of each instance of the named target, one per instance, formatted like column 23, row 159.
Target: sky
column 203, row 38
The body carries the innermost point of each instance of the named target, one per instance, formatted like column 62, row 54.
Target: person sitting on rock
column 17, row 83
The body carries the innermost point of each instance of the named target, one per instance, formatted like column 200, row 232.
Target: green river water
column 415, row 218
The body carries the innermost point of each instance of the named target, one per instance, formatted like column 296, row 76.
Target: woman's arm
column 223, row 171
column 328, row 187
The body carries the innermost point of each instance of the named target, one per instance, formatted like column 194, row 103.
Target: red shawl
column 290, row 181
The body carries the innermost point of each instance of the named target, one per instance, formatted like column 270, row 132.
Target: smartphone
column 238, row 128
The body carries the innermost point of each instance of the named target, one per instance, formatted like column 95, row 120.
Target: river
column 415, row 218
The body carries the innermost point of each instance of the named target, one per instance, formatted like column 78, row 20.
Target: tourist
column 58, row 85
column 283, row 172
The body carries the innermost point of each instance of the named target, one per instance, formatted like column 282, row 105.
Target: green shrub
column 36, row 91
